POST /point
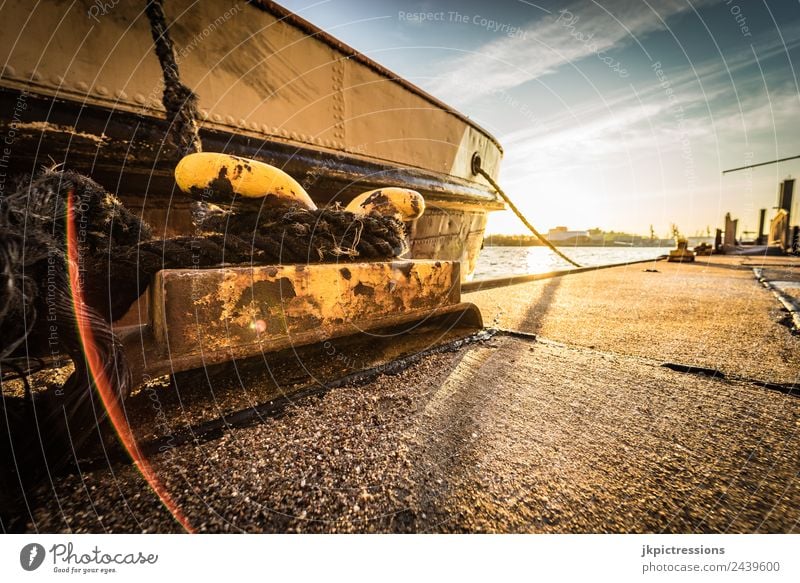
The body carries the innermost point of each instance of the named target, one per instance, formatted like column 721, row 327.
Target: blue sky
column 617, row 114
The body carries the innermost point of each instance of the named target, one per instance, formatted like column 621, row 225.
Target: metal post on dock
column 730, row 231
column 785, row 196
column 762, row 217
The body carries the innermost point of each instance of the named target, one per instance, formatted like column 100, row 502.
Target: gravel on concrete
column 582, row 430
column 508, row 436
column 713, row 315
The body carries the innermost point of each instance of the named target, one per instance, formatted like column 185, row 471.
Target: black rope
column 279, row 236
column 477, row 169
column 39, row 434
column 179, row 101
column 117, row 259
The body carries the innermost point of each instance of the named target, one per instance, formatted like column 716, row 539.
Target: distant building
column 562, row 235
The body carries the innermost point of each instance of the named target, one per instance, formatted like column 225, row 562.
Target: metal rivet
column 139, row 98
column 121, row 94
column 35, row 76
column 101, row 90
column 58, row 79
column 9, row 71
column 230, row 120
column 82, row 86
column 217, row 117
column 204, row 113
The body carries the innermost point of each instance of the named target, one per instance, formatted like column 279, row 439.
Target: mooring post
column 762, row 216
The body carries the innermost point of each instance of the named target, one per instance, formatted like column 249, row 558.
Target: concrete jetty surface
column 621, row 400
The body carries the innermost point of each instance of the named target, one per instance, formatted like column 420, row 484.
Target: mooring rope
column 42, row 431
column 478, row 169
column 277, row 236
column 179, row 101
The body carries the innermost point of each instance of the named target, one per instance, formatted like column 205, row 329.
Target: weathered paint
column 256, row 69
column 252, row 308
column 271, row 87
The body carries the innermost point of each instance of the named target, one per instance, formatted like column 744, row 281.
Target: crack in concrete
column 788, row 302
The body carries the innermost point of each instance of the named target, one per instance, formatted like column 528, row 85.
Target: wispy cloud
column 626, row 120
column 548, row 44
column 628, row 148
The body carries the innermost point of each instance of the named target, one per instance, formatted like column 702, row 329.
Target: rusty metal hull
column 201, row 317
column 85, row 90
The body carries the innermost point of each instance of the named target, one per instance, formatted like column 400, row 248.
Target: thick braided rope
column 179, row 101
column 278, row 237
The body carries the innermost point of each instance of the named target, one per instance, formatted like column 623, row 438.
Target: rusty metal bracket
column 199, row 317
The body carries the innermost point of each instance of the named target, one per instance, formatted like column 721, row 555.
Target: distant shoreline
column 504, row 261
column 655, row 245
column 524, row 241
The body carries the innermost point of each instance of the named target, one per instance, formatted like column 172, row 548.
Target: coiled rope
column 116, row 259
column 276, row 236
column 478, row 169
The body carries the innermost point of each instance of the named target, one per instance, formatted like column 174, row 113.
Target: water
column 502, row 261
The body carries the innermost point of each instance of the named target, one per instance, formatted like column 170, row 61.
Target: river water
column 502, row 261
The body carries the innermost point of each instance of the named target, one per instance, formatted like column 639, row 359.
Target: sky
column 618, row 114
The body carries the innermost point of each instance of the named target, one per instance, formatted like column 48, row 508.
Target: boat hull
column 271, row 87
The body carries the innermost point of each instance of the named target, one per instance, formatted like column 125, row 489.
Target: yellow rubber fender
column 221, row 176
column 402, row 203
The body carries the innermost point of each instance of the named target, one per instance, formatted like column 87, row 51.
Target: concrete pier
column 655, row 397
